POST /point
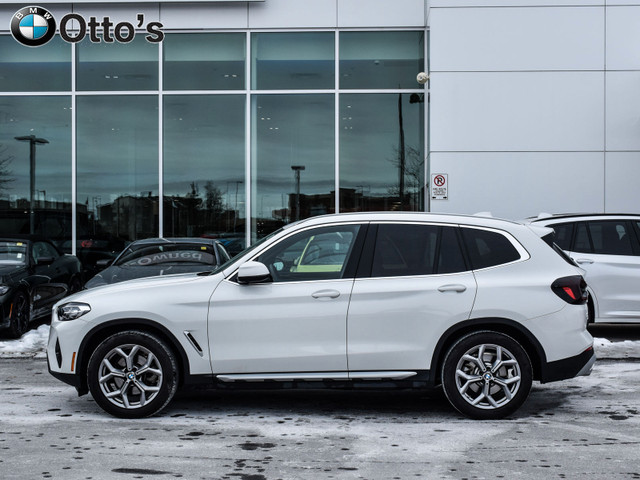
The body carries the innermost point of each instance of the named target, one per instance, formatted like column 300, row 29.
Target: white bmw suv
column 480, row 306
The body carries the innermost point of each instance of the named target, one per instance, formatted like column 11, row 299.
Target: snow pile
column 618, row 350
column 31, row 344
column 34, row 344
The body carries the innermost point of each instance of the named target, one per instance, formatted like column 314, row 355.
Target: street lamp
column 297, row 169
column 33, row 141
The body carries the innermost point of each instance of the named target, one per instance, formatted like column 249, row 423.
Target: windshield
column 13, row 253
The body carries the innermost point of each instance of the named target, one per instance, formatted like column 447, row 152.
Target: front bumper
column 571, row 367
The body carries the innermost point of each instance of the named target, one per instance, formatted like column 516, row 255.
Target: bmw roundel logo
column 33, row 26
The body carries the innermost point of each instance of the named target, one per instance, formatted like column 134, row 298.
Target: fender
column 100, row 332
column 503, row 325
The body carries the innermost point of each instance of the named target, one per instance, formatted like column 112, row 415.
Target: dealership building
column 229, row 119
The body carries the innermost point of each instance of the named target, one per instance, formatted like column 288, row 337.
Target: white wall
column 535, row 105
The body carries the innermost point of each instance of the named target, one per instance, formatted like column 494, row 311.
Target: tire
column 591, row 311
column 127, row 361
column 20, row 313
column 493, row 388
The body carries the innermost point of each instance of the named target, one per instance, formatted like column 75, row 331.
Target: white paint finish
column 278, row 327
column 623, row 111
column 622, row 170
column 223, row 16
column 293, row 14
column 512, row 39
column 521, row 184
column 517, row 111
column 623, row 34
column 377, row 13
column 395, row 323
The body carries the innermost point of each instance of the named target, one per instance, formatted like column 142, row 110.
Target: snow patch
column 31, row 344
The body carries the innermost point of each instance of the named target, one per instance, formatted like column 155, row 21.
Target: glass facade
column 223, row 134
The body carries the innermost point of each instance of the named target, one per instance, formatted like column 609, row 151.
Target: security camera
column 422, row 78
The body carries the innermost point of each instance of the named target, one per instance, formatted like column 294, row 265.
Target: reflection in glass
column 207, row 61
column 117, row 66
column 43, row 69
column 293, row 60
column 117, row 168
column 381, row 59
column 204, row 150
column 48, row 119
column 381, row 156
column 292, row 159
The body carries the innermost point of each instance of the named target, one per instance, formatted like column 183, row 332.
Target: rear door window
column 488, row 248
column 406, row 249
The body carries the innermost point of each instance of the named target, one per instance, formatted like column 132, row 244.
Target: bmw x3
column 480, row 306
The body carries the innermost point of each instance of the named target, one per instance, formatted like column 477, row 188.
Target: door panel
column 394, row 323
column 279, row 327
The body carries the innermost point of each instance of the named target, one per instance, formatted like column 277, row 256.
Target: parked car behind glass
column 481, row 306
column 607, row 247
column 161, row 256
column 33, row 276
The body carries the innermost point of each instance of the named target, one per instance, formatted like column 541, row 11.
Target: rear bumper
column 579, row 365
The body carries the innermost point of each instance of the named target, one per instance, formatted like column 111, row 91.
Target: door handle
column 582, row 261
column 325, row 294
column 452, row 288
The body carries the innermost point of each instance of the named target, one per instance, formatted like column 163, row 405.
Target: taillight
column 571, row 289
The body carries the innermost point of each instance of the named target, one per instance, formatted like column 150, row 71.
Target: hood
column 167, row 281
column 115, row 274
column 9, row 270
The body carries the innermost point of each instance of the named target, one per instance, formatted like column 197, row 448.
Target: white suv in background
column 481, row 306
column 607, row 247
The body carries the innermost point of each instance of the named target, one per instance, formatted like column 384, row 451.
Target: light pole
column 33, row 141
column 297, row 169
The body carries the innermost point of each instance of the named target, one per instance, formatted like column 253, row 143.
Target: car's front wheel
column 487, row 375
column 132, row 374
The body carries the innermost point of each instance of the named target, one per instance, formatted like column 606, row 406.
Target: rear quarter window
column 488, row 249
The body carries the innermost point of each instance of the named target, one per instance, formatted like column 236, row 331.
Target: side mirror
column 105, row 262
column 253, row 272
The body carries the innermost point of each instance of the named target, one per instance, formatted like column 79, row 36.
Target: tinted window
column 487, row 249
column 582, row 242
column 564, row 231
column 611, row 237
column 44, row 249
column 316, row 254
column 416, row 250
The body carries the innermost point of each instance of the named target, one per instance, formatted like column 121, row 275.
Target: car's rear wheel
column 132, row 374
column 19, row 316
column 486, row 375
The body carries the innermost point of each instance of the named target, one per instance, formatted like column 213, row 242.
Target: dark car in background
column 161, row 256
column 34, row 275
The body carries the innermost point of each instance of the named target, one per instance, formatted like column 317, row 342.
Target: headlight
column 72, row 310
column 4, row 289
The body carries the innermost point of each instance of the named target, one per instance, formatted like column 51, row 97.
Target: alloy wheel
column 130, row 376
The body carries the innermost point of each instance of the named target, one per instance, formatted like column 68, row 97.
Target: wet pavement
column 587, row 428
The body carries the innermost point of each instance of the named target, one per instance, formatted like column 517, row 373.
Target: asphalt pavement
column 586, row 428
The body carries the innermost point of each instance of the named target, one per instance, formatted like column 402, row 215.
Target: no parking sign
column 439, row 186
